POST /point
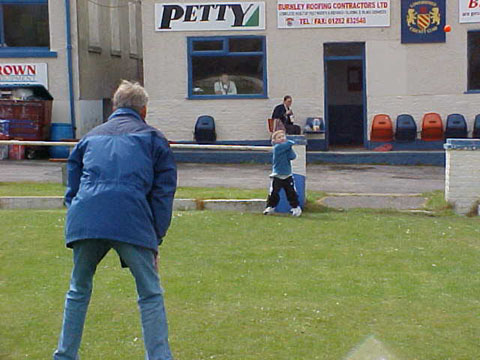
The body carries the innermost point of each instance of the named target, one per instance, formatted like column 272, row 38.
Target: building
column 78, row 49
column 345, row 61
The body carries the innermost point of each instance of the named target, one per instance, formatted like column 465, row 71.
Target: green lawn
column 245, row 286
column 55, row 189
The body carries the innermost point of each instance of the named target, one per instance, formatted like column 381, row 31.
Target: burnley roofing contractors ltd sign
column 210, row 16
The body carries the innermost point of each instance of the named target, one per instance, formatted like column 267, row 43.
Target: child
column 282, row 174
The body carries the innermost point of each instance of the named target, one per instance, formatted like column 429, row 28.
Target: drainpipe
column 70, row 66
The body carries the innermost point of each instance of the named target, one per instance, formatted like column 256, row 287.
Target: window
column 24, row 27
column 343, row 49
column 227, row 67
column 474, row 60
column 94, row 44
column 116, row 46
column 132, row 25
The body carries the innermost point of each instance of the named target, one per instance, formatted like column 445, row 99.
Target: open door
column 345, row 94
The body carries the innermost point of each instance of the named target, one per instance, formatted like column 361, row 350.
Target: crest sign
column 423, row 21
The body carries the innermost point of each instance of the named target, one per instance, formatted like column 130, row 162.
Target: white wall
column 401, row 78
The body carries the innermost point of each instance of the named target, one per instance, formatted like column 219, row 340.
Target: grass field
column 56, row 189
column 245, row 286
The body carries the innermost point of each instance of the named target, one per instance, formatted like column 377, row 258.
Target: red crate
column 29, row 119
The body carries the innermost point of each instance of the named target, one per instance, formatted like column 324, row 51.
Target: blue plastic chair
column 476, row 127
column 456, row 127
column 406, row 128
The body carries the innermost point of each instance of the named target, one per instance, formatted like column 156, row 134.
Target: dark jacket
column 121, row 183
column 281, row 113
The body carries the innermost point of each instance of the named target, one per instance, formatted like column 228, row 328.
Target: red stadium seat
column 432, row 127
column 382, row 129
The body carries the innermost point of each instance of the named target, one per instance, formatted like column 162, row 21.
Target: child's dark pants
column 275, row 187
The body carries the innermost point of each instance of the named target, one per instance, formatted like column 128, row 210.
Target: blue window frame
column 227, row 67
column 24, row 29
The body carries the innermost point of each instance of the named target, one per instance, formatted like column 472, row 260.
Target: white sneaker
column 296, row 211
column 269, row 210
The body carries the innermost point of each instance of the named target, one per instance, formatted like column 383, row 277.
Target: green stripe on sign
column 254, row 19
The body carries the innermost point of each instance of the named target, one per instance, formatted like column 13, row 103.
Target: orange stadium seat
column 432, row 127
column 382, row 129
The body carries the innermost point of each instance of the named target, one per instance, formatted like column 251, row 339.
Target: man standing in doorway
column 121, row 183
column 284, row 113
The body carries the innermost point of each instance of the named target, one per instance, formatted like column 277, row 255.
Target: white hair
column 131, row 95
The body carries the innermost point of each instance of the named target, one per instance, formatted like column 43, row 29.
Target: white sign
column 32, row 74
column 469, row 11
column 332, row 13
column 210, row 16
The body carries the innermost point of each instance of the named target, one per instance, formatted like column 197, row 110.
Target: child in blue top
column 281, row 175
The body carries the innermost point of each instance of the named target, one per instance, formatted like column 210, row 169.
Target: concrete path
column 348, row 181
column 380, row 179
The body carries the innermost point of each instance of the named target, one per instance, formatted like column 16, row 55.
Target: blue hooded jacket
column 121, row 183
column 282, row 155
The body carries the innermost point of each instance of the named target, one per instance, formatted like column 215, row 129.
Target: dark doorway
column 345, row 94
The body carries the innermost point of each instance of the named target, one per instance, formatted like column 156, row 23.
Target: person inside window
column 225, row 86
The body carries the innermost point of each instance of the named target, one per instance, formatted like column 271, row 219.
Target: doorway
column 345, row 95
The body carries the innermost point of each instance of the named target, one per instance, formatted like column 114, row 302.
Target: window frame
column 225, row 53
column 22, row 51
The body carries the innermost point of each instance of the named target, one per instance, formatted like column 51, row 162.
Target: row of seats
column 432, row 128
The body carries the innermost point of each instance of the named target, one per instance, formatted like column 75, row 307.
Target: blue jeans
column 87, row 254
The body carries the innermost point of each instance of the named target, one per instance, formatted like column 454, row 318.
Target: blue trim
column 343, row 58
column 472, row 92
column 2, row 34
column 26, row 52
column 225, row 53
column 21, row 2
column 433, row 158
column 232, row 142
column 462, row 144
column 210, row 53
column 68, row 32
column 364, row 89
column 225, row 97
column 325, row 100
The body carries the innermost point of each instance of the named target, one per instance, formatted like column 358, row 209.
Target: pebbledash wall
column 400, row 78
column 106, row 47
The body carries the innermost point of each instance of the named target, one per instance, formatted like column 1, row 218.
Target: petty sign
column 210, row 16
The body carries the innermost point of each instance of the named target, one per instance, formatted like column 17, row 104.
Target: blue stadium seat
column 476, row 127
column 205, row 130
column 456, row 127
column 406, row 128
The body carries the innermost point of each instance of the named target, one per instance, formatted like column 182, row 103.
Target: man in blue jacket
column 121, row 183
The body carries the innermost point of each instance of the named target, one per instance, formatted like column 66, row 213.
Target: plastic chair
column 314, row 122
column 274, row 125
column 432, row 127
column 382, row 129
column 456, row 127
column 476, row 127
column 406, row 128
column 205, row 130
